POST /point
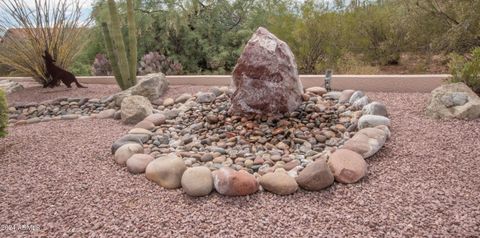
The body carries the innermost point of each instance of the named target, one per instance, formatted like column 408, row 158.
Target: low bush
column 3, row 114
column 466, row 69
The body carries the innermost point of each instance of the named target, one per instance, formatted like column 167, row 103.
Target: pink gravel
column 61, row 178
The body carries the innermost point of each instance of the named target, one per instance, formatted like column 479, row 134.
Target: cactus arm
column 111, row 55
column 132, row 41
column 119, row 44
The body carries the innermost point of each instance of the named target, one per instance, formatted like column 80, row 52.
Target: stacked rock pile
column 194, row 143
column 61, row 108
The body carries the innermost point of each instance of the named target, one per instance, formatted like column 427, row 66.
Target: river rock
column 279, row 183
column 10, row 86
column 345, row 96
column 129, row 138
column 367, row 141
column 166, row 171
column 234, row 183
column 126, row 151
column 316, row 176
column 151, row 86
column 197, row 181
column 372, row 121
column 137, row 163
column 347, row 166
column 266, row 77
column 454, row 100
column 375, row 108
column 109, row 113
column 316, row 90
column 157, row 119
column 135, row 108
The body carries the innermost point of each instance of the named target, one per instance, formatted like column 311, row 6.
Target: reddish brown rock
column 157, row 119
column 234, row 183
column 266, row 77
column 316, row 176
column 347, row 166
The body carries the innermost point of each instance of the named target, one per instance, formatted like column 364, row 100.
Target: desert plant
column 466, row 70
column 3, row 114
column 101, row 66
column 124, row 65
column 155, row 62
column 56, row 25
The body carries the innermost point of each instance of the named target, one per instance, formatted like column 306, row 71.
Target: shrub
column 3, row 114
column 101, row 66
column 466, row 69
column 155, row 62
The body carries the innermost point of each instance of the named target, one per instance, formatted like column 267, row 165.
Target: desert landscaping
column 251, row 141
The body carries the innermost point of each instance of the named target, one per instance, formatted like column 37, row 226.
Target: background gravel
column 424, row 182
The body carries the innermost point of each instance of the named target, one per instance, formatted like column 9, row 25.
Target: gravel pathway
column 60, row 178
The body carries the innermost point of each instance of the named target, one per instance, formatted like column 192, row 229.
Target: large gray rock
column 454, row 100
column 375, row 108
column 266, row 77
column 10, row 86
column 151, row 86
column 134, row 109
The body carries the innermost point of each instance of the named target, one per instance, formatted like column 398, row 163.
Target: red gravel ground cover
column 60, row 178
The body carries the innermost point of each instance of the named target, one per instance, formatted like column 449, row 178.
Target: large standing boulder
column 266, row 77
column 151, row 86
column 134, row 109
column 454, row 100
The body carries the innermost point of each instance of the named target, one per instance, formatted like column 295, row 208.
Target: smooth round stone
column 234, row 183
column 345, row 96
column 279, row 183
column 140, row 131
column 197, row 181
column 206, row 157
column 183, row 98
column 315, row 176
column 126, row 151
column 366, row 142
column 109, row 113
column 137, row 163
column 148, row 125
column 355, row 96
column 375, row 108
column 316, row 90
column 157, row 119
column 168, row 102
column 166, row 171
column 205, row 97
column 372, row 121
column 347, row 166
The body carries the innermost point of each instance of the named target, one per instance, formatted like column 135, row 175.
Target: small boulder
column 355, row 96
column 367, row 141
column 147, row 125
column 205, row 97
column 128, row 139
column 135, row 108
column 137, row 163
column 375, row 108
column 126, row 151
column 455, row 100
column 279, row 183
column 347, row 166
column 316, row 176
column 345, row 96
column 140, row 131
column 151, row 86
column 234, row 183
column 360, row 103
column 183, row 98
column 197, row 181
column 168, row 102
column 109, row 113
column 166, row 171
column 157, row 119
column 372, row 121
column 316, row 90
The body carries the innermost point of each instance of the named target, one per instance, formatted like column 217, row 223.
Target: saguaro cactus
column 124, row 67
